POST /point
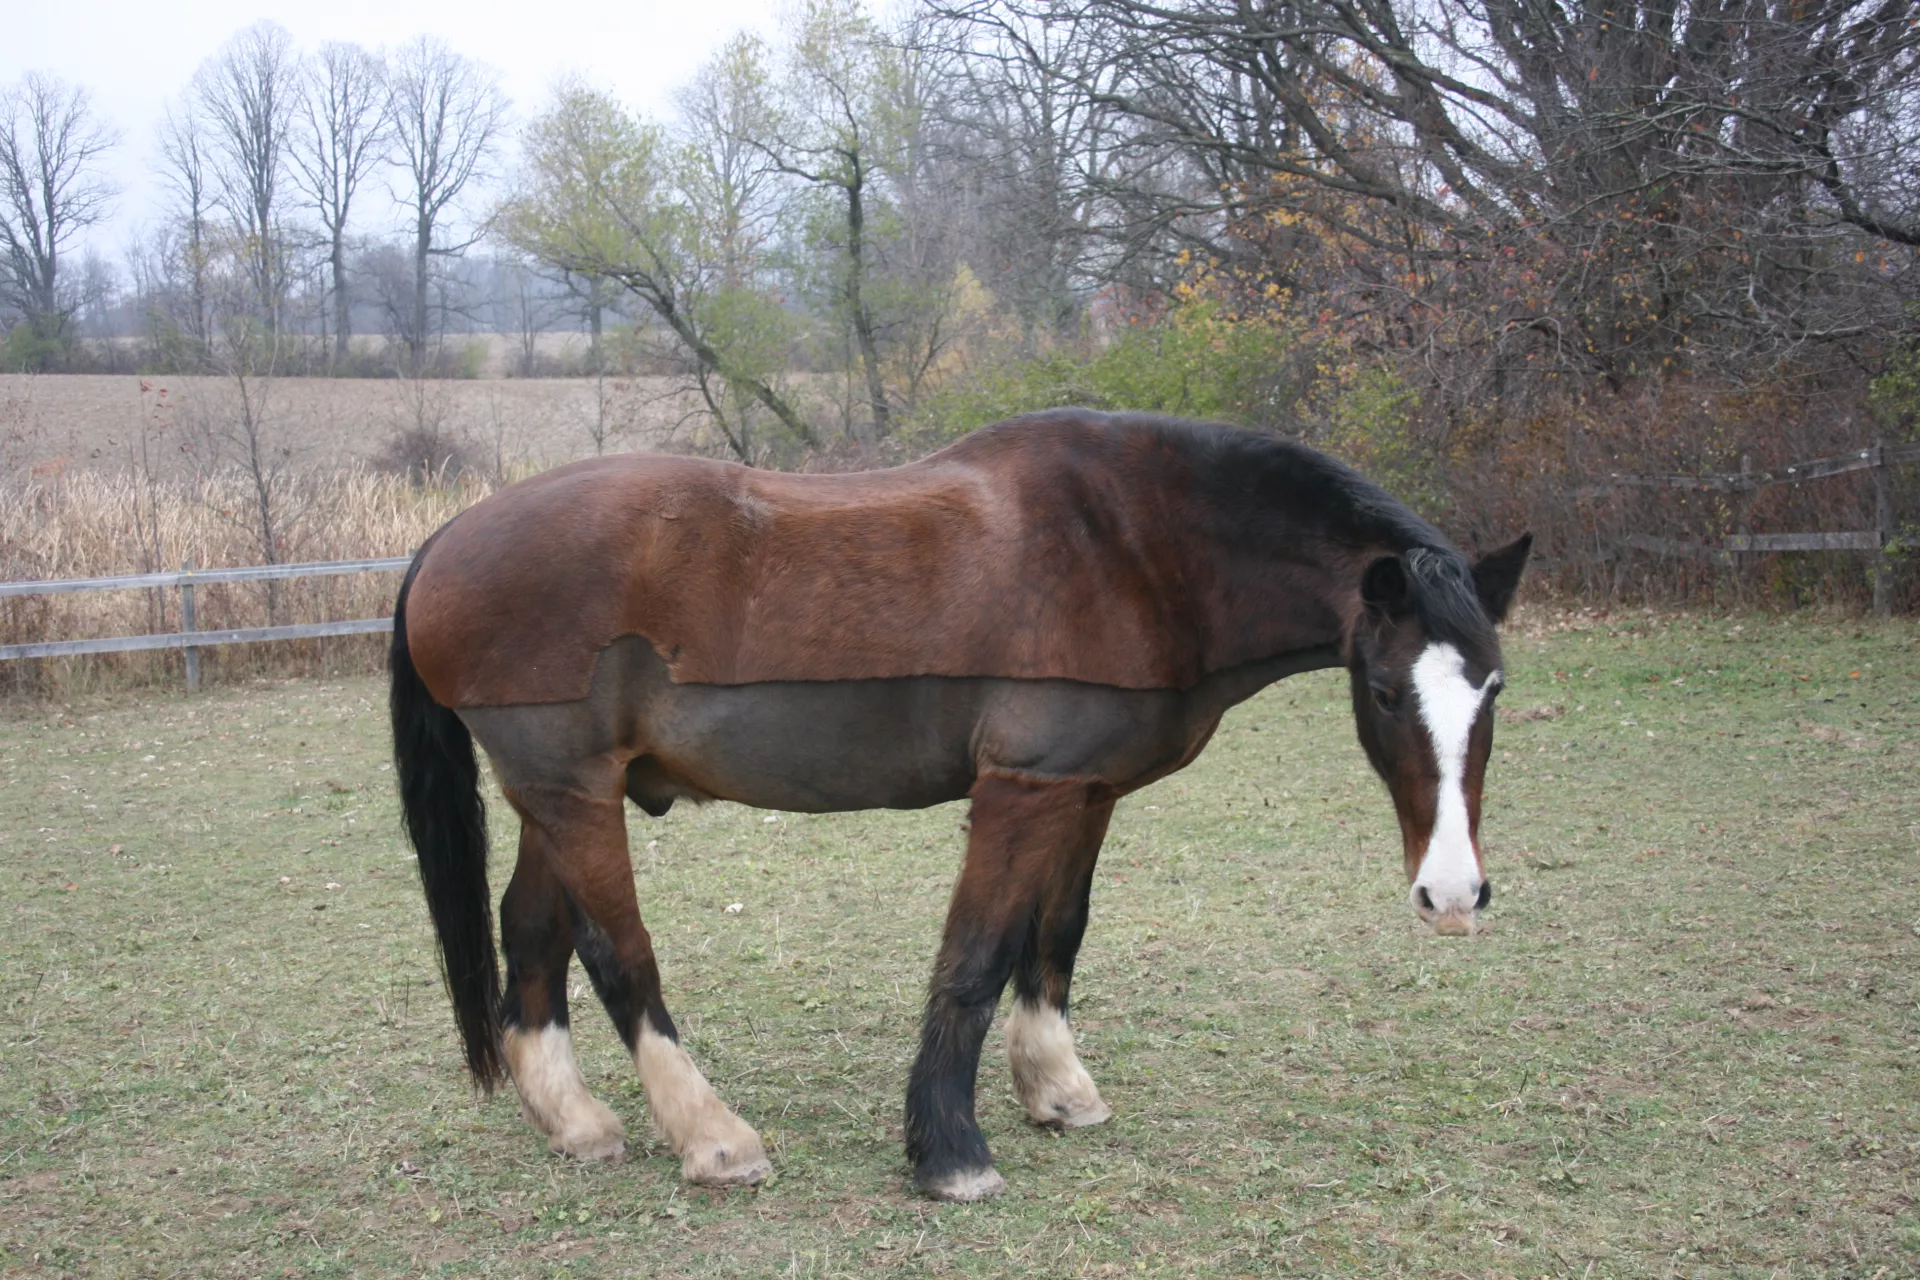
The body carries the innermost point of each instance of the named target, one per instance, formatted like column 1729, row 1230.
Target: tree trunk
column 342, row 322
column 856, row 304
column 263, row 258
column 593, row 322
column 422, row 247
column 196, row 247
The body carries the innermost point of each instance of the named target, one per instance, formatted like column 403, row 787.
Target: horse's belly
column 816, row 746
column 909, row 742
column 827, row 746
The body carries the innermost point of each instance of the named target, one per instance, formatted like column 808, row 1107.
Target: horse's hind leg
column 1047, row 1075
column 1022, row 830
column 580, row 828
column 538, row 938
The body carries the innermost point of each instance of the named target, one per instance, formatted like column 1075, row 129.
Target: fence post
column 187, row 624
column 1883, row 521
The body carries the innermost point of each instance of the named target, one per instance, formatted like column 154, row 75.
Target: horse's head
column 1425, row 666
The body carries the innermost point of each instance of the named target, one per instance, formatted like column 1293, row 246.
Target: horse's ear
column 1384, row 588
column 1496, row 576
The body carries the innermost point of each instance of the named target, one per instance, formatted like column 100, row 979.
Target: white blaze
column 1449, row 706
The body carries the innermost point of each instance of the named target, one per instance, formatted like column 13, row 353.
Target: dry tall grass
column 84, row 524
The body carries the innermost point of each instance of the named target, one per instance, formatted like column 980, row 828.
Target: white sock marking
column 1046, row 1071
column 715, row 1145
column 554, row 1097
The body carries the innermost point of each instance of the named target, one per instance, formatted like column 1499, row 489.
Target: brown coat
column 1061, row 546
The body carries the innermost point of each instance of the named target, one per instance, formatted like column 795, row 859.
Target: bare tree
column 1595, row 190
column 1025, row 138
column 344, row 132
column 447, row 113
column 50, row 191
column 248, row 95
column 525, row 304
column 725, row 176
column 184, row 172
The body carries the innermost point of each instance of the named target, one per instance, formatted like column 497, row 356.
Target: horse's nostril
column 1424, row 898
column 1486, row 896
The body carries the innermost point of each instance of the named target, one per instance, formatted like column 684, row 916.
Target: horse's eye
column 1388, row 700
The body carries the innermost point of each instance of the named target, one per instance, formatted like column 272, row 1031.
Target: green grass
column 1688, row 1045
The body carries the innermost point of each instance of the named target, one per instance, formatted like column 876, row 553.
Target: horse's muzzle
column 1457, row 918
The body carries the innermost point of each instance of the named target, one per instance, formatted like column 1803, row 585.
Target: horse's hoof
column 966, row 1186
column 610, row 1148
column 738, row 1160
column 1076, row 1114
column 591, row 1133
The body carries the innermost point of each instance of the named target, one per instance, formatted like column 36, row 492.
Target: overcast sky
column 136, row 55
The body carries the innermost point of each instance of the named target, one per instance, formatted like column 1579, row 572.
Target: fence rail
column 1744, row 481
column 191, row 577
column 1877, row 542
column 189, row 638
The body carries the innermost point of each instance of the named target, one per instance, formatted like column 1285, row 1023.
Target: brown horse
column 1045, row 616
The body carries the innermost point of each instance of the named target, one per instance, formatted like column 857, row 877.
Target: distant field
column 1689, row 1046
column 86, row 420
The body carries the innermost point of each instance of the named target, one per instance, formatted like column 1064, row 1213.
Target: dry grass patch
column 93, row 524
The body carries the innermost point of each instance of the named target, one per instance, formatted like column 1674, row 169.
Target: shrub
column 1198, row 361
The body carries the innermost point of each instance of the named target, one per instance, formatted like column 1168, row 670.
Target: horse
column 1041, row 618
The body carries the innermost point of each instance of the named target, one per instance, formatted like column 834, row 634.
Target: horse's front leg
column 1023, row 829
column 1047, row 1074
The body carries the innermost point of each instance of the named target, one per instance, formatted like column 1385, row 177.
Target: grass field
column 1688, row 1045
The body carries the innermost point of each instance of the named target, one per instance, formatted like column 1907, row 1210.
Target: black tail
column 447, row 821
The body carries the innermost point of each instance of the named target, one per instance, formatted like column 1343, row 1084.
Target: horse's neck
column 1287, row 606
column 1235, row 685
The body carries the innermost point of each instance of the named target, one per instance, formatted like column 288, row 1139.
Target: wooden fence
column 1878, row 541
column 188, row 637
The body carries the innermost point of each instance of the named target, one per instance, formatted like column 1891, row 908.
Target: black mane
column 1258, row 472
column 1274, row 489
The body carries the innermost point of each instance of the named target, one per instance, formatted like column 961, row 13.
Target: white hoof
column 1071, row 1113
column 967, row 1186
column 729, row 1154
column 604, row 1139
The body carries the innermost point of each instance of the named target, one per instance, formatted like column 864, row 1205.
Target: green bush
column 1896, row 393
column 35, row 347
column 1367, row 417
column 1197, row 362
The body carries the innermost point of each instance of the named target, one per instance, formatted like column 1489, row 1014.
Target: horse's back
column 1027, row 554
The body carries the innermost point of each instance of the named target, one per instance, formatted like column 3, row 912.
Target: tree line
column 1451, row 219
